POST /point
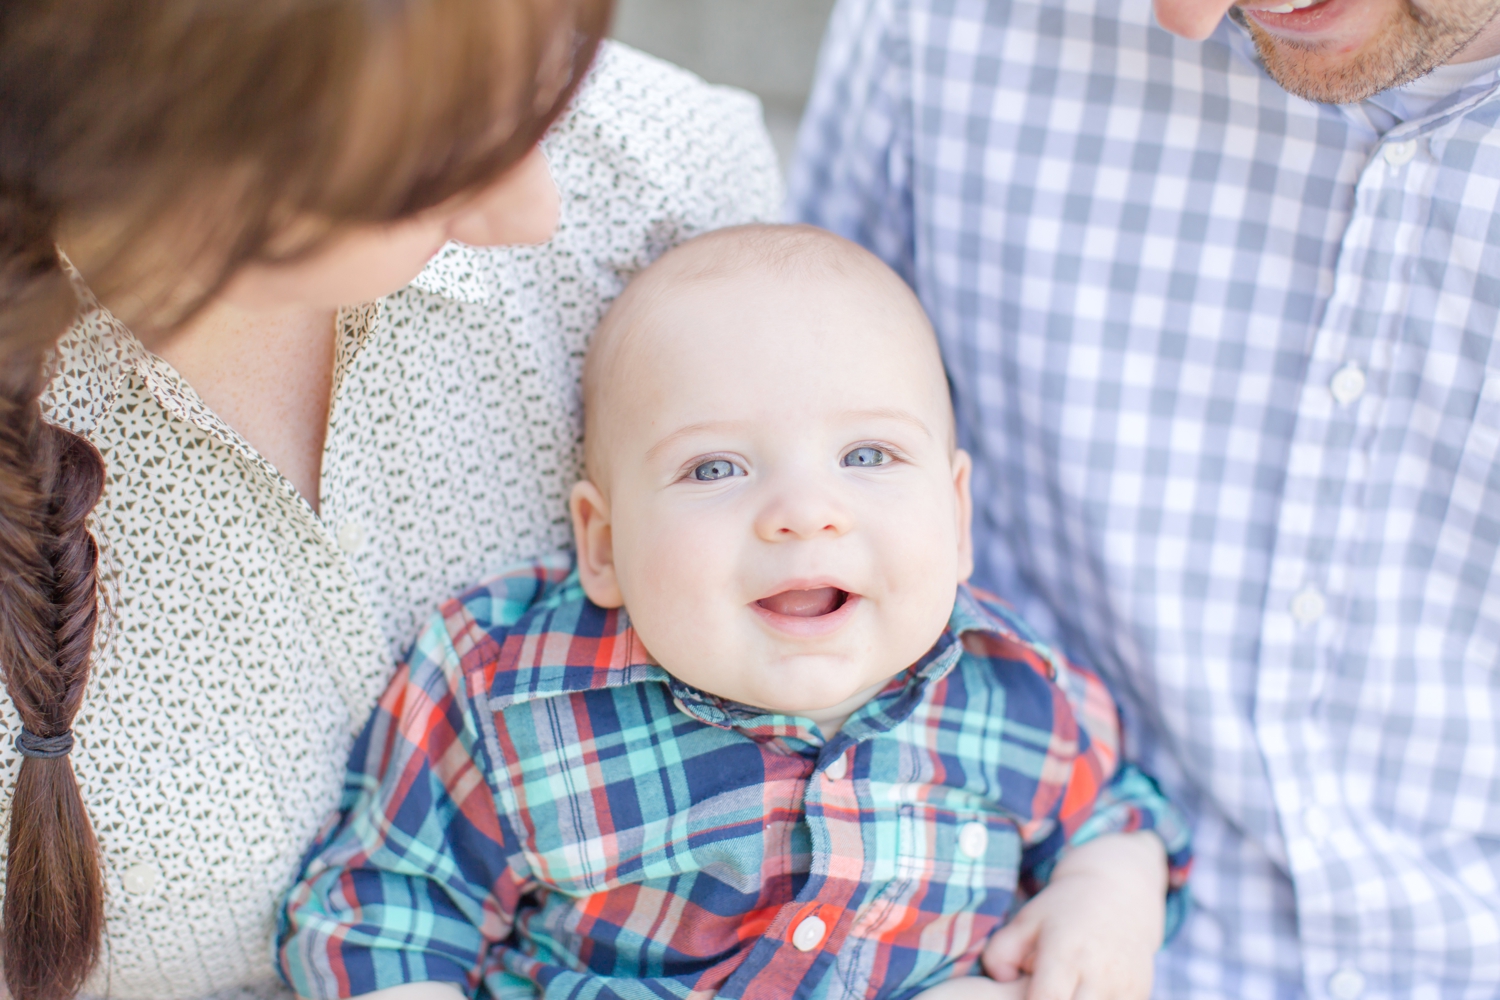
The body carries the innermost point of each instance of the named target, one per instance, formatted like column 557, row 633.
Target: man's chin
column 1400, row 52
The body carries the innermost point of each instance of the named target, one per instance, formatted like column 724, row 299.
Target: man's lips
column 1292, row 15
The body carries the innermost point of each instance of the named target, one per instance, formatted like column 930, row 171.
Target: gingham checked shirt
column 536, row 807
column 1226, row 361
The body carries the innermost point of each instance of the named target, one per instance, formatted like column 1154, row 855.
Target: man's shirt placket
column 1324, row 577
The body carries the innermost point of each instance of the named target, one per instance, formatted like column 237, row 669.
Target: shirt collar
column 566, row 644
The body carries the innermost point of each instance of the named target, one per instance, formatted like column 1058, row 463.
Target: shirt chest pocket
column 591, row 822
column 945, row 879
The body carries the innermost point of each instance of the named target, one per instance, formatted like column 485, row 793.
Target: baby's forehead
column 756, row 306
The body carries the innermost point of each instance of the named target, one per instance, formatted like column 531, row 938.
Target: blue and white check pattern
column 1226, row 361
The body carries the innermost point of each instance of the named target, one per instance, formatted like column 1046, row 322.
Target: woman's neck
column 267, row 375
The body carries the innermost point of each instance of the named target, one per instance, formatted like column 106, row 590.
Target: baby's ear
column 595, row 542
column 964, row 508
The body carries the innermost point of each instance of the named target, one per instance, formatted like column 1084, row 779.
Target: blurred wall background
column 766, row 46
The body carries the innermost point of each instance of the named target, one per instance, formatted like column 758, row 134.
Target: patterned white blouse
column 248, row 636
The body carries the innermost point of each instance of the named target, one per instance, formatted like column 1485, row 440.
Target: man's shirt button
column 139, row 879
column 837, row 768
column 1346, row 984
column 1399, row 154
column 1348, row 384
column 973, row 840
column 809, row 934
column 1308, row 606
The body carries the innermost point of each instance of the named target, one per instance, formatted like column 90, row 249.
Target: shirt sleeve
column 1104, row 794
column 411, row 882
column 853, row 168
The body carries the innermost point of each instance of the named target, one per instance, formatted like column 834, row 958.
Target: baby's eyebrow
column 877, row 413
column 890, row 413
column 690, row 429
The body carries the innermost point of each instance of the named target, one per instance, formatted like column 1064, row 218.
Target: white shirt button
column 351, row 536
column 1316, row 824
column 139, row 879
column 837, row 768
column 1348, row 384
column 1346, row 984
column 1308, row 606
column 809, row 934
column 973, row 840
column 1399, row 154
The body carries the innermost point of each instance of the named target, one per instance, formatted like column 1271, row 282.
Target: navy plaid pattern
column 1226, row 362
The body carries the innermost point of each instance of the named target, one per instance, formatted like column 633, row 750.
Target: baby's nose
column 806, row 513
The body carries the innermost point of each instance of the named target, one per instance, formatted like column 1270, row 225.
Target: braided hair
column 125, row 124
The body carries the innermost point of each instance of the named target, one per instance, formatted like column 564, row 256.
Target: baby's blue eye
column 719, row 468
column 864, row 457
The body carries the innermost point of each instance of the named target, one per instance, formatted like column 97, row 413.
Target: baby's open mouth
column 805, row 603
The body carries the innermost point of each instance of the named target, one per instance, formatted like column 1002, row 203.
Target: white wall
column 768, row 46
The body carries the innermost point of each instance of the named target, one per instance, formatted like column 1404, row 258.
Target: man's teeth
column 1287, row 8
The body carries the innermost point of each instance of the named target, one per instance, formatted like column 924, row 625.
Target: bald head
column 752, row 301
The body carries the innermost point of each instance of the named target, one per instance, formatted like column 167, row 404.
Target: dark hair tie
column 44, row 747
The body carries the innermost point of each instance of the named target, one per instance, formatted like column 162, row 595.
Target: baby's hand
column 1093, row 932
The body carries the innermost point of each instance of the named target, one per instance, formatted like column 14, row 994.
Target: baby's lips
column 804, row 603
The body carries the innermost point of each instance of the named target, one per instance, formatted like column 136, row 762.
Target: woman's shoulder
column 658, row 122
column 647, row 142
column 647, row 156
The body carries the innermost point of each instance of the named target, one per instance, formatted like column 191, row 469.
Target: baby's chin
column 820, row 702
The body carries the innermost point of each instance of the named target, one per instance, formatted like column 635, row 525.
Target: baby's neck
column 831, row 719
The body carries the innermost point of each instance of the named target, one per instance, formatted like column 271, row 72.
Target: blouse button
column 837, row 768
column 139, row 879
column 809, row 933
column 973, row 839
column 351, row 536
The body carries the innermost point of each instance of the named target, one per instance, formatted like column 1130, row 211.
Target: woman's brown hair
column 167, row 143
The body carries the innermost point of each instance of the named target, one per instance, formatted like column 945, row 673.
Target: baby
column 757, row 740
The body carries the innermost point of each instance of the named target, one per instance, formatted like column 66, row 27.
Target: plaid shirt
column 537, row 807
column 1228, row 366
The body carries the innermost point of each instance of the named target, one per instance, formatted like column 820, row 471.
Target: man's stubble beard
column 1413, row 44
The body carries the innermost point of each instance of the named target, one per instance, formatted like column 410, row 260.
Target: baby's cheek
column 678, row 587
column 920, row 566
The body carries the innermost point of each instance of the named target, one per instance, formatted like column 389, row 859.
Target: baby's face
column 783, row 512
